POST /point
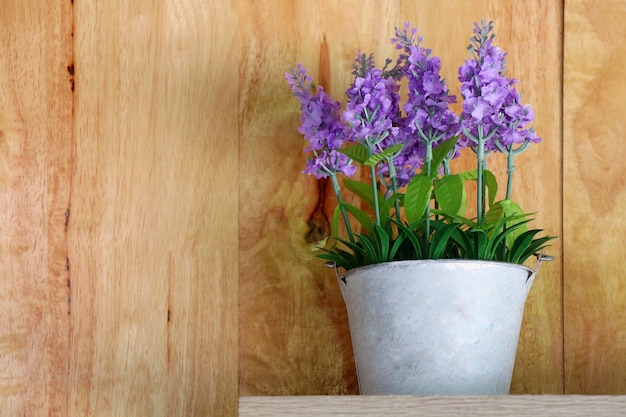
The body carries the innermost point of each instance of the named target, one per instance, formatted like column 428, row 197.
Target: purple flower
column 428, row 117
column 373, row 105
column 374, row 118
column 329, row 162
column 409, row 160
column 491, row 104
column 320, row 124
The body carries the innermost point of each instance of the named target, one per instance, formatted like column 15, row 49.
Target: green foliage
column 364, row 192
column 432, row 223
column 440, row 153
column 450, row 194
column 359, row 153
column 417, row 197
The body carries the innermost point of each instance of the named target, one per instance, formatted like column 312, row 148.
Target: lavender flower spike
column 492, row 118
column 372, row 104
column 370, row 112
column 490, row 101
column 321, row 126
column 428, row 117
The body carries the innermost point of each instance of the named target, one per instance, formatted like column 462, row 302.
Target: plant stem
column 344, row 214
column 375, row 194
column 509, row 172
column 370, row 152
column 428, row 160
column 510, row 155
column 480, row 189
column 394, row 184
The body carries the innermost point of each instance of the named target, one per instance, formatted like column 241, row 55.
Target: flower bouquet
column 415, row 208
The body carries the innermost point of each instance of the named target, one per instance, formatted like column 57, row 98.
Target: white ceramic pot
column 435, row 327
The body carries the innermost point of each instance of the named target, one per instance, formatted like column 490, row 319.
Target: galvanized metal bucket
column 436, row 327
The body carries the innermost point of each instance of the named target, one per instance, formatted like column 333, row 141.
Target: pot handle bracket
column 541, row 257
column 340, row 279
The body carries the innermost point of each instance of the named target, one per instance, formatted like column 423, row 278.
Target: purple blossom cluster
column 491, row 104
column 373, row 105
column 429, row 120
column 320, row 124
column 374, row 117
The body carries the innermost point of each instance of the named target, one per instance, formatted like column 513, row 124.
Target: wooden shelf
column 380, row 406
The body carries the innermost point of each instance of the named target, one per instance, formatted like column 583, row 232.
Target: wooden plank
column 153, row 230
column 538, row 177
column 200, row 109
column 35, row 162
column 294, row 337
column 594, row 197
column 504, row 405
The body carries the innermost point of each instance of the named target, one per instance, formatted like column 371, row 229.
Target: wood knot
column 319, row 226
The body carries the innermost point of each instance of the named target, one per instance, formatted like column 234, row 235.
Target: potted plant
column 434, row 288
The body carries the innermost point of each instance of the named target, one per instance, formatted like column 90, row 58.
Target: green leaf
column 459, row 219
column 480, row 241
column 360, row 254
column 450, row 194
column 362, row 217
column 465, row 244
column 469, row 175
column 490, row 181
column 390, row 151
column 439, row 154
column 408, row 232
column 334, row 227
column 417, row 197
column 441, row 240
column 496, row 243
column 504, row 208
column 512, row 212
column 357, row 153
column 383, row 240
column 535, row 247
column 526, row 244
column 364, row 192
column 369, row 249
column 396, row 246
column 492, row 186
column 337, row 259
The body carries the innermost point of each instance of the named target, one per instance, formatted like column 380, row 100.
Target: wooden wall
column 156, row 254
column 294, row 337
column 36, row 170
column 594, row 210
column 119, row 208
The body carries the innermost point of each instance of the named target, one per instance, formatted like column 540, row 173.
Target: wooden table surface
column 380, row 406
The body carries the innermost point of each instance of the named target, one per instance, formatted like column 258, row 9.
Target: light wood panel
column 35, row 158
column 389, row 405
column 153, row 226
column 293, row 333
column 594, row 197
column 531, row 33
column 144, row 165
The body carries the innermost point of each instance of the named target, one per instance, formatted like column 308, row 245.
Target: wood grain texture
column 35, row 162
column 153, row 229
column 294, row 337
column 356, row 406
column 165, row 248
column 594, row 197
column 531, row 33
